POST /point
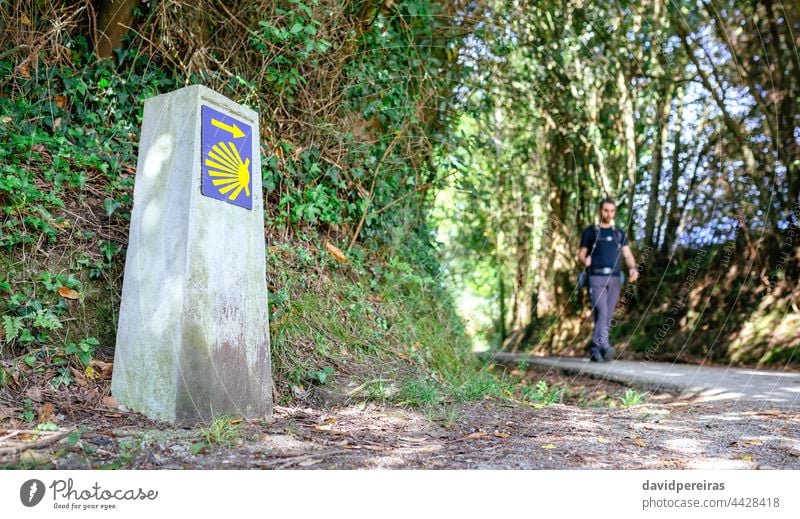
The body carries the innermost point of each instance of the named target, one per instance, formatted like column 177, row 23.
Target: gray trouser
column 604, row 293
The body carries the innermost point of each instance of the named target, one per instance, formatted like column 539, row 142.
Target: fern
column 12, row 327
column 47, row 320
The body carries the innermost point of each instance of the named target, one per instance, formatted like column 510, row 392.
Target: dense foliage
column 350, row 95
column 687, row 114
column 499, row 122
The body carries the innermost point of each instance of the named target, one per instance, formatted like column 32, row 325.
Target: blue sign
column 227, row 165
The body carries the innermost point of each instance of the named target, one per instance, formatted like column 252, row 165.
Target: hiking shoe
column 609, row 353
column 596, row 356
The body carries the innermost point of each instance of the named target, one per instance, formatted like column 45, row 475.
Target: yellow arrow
column 234, row 130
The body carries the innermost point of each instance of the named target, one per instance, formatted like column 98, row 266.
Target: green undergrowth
column 380, row 326
column 368, row 329
column 377, row 330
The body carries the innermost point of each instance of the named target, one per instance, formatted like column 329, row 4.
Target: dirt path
column 582, row 433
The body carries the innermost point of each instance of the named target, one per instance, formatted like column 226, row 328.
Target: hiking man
column 599, row 253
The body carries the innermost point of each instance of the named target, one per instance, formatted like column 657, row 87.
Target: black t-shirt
column 608, row 250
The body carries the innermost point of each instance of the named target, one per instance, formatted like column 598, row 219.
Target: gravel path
column 588, row 430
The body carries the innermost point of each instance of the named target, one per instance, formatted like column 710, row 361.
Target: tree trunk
column 673, row 217
column 521, row 311
column 501, row 291
column 663, row 107
column 114, row 17
column 626, row 108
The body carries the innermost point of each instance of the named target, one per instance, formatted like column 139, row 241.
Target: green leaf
column 73, row 438
column 47, row 426
column 195, row 448
column 47, row 320
column 322, row 375
column 296, row 28
column 12, row 327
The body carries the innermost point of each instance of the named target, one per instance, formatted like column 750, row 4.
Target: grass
column 419, row 393
column 481, row 384
column 541, row 393
column 632, row 398
column 445, row 415
column 370, row 320
column 223, row 431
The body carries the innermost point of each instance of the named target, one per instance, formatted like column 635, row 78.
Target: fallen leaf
column 25, row 20
column 640, row 442
column 68, row 293
column 34, row 393
column 46, row 413
column 412, row 440
column 61, row 224
column 375, row 299
column 8, row 412
column 603, row 440
column 476, row 435
column 335, row 252
column 322, row 428
column 105, row 368
column 308, row 463
column 110, row 401
column 61, row 101
column 747, row 458
column 79, row 378
column 754, row 442
column 549, row 446
column 473, row 436
column 89, row 397
column 91, row 374
column 502, row 435
column 236, row 420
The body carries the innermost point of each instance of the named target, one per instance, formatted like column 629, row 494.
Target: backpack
column 583, row 275
column 616, row 232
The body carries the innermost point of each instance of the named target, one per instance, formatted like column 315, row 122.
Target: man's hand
column 633, row 274
column 588, row 261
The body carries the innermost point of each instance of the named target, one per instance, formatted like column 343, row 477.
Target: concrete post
column 193, row 337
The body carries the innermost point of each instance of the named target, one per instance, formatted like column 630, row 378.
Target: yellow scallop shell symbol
column 230, row 174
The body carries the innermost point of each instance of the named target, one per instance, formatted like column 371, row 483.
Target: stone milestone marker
column 193, row 338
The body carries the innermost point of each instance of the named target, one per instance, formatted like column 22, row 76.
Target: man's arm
column 633, row 273
column 583, row 257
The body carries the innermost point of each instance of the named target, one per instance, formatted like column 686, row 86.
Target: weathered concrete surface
column 193, row 338
column 705, row 384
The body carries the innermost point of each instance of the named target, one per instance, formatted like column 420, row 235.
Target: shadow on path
column 703, row 384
